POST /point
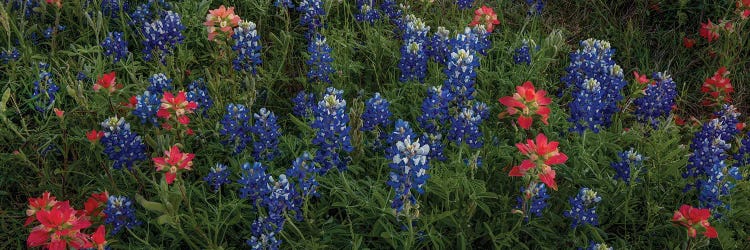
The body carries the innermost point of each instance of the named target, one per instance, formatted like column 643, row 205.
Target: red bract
column 221, row 21
column 45, row 202
column 93, row 136
column 57, row 3
column 172, row 162
column 485, row 15
column 542, row 154
column 60, row 228
column 642, row 79
column 177, row 106
column 694, row 219
column 107, row 81
column 709, row 31
column 718, row 87
column 688, row 42
column 527, row 101
column 99, row 238
column 59, row 112
column 95, row 205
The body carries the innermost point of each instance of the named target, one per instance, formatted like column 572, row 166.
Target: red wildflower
column 542, row 154
column 57, row 3
column 172, row 162
column 718, row 87
column 59, row 112
column 99, row 238
column 642, row 79
column 688, row 42
column 93, row 136
column 694, row 219
column 177, row 105
column 709, row 31
column 45, row 202
column 527, row 101
column 485, row 15
column 221, row 21
column 95, row 205
column 107, row 81
column 60, row 228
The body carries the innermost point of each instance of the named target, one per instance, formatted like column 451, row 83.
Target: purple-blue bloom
column 630, row 160
column 537, row 201
column 112, row 8
column 332, row 131
column 114, row 45
column 303, row 170
column 376, row 113
column 658, row 99
column 304, row 104
column 439, row 47
column 409, row 165
column 236, row 126
column 255, row 183
column 122, row 145
column 217, row 176
column 465, row 128
column 267, row 131
column 198, row 93
column 464, row 4
column 247, row 46
column 320, row 60
column 146, row 107
column 367, row 11
column 583, row 208
column 158, row 83
column 162, row 36
column 45, row 90
column 120, row 214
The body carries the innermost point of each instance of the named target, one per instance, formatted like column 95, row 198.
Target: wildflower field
column 374, row 124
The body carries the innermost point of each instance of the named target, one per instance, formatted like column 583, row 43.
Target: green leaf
column 4, row 101
column 150, row 205
column 164, row 219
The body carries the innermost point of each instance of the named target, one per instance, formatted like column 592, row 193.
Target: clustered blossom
column 598, row 246
column 435, row 112
column 367, row 11
column 112, row 8
column 583, row 208
column 533, row 200
column 413, row 62
column 158, row 83
column 376, row 113
column 121, row 145
column 393, row 11
column 332, row 131
column 465, row 128
column 523, row 53
column 198, row 93
column 658, row 99
column 460, row 71
column 479, row 38
column 254, row 181
column 542, row 155
column 304, row 171
column 409, row 165
column 535, row 7
column 695, row 219
column 161, row 36
column 59, row 226
column 284, row 4
column 173, row 163
column 120, row 214
column 464, row 4
column 9, row 55
column 742, row 157
column 146, row 106
column 706, row 164
column 486, row 16
column 312, row 13
column 176, row 106
column 527, row 102
column 236, row 126
column 218, row 175
column 45, row 90
column 320, row 60
column 710, row 31
column 743, row 8
column 247, row 45
column 439, row 48
column 107, row 82
column 630, row 160
column 304, row 104
column 220, row 22
column 268, row 132
column 719, row 88
column 596, row 81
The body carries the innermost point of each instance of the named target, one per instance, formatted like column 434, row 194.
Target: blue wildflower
column 236, row 126
column 146, row 107
column 10, row 55
column 320, row 60
column 254, row 182
column 598, row 246
column 284, row 4
column 742, row 158
column 480, row 38
column 29, row 7
column 630, row 160
column 304, row 104
column 112, row 8
column 45, row 90
column 120, row 214
column 217, row 176
column 304, row 171
column 393, row 11
column 312, row 13
column 247, row 46
column 535, row 7
column 413, row 63
column 464, row 4
column 114, row 45
column 268, row 133
column 535, row 198
column 439, row 48
column 264, row 235
column 596, row 81
column 376, row 113
column 332, row 131
column 435, row 109
column 583, row 208
column 435, row 141
column 141, row 15
column 522, row 54
column 367, row 12
column 161, row 36
column 465, row 128
column 460, row 71
column 409, row 167
column 159, row 83
column 401, row 130
column 198, row 93
column 658, row 99
column 123, row 146
column 49, row 31
column 282, row 199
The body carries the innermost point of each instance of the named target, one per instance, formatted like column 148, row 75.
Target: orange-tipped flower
column 694, row 219
column 172, row 162
column 178, row 106
column 485, row 15
column 527, row 102
column 542, row 155
column 718, row 87
column 221, row 21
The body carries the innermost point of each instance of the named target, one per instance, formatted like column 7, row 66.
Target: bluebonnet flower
column 583, row 208
column 715, row 186
column 658, row 99
column 465, row 128
column 114, row 45
column 320, row 60
column 596, row 81
column 409, row 167
column 367, row 11
column 312, row 13
column 159, row 83
column 464, row 4
column 522, row 54
column 435, row 141
column 255, row 183
column 479, row 37
column 482, row 110
column 304, row 171
column 247, row 46
column 536, row 200
column 332, row 131
column 283, row 198
column 161, row 36
column 393, row 11
column 439, row 48
column 123, row 146
column 630, row 160
column 112, row 8
column 401, row 130
column 217, row 176
column 28, row 7
column 141, row 15
column 10, row 55
column 284, row 4
column 268, row 133
column 415, row 30
column 598, row 246
column 304, row 104
column 198, row 93
column 236, row 126
column 45, row 90
column 460, row 71
column 376, row 113
column 435, row 109
column 264, row 235
column 81, row 76
column 120, row 214
column 413, row 63
column 48, row 32
column 742, row 158
column 146, row 107
column 535, row 7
